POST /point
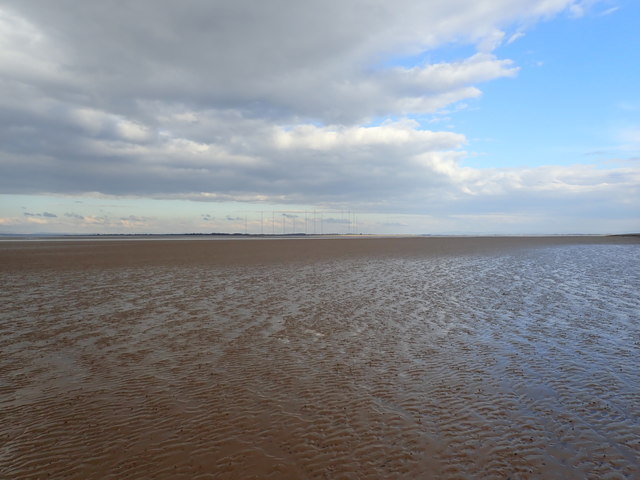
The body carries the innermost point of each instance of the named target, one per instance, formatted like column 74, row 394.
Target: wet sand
column 81, row 253
column 321, row 358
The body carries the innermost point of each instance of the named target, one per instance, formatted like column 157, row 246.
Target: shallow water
column 514, row 365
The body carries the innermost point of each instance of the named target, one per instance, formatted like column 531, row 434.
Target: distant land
column 294, row 235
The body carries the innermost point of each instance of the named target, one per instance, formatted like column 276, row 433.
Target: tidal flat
column 352, row 358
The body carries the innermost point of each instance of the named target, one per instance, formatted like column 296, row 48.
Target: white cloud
column 580, row 8
column 515, row 37
column 577, row 10
column 491, row 41
column 37, row 220
column 402, row 134
column 132, row 131
column 443, row 77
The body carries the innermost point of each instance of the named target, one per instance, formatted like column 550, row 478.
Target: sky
column 332, row 116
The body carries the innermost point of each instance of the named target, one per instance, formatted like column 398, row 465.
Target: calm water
column 522, row 365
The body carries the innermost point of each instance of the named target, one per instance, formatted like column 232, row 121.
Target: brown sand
column 99, row 253
column 320, row 358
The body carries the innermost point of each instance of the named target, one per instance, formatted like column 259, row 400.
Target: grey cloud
column 281, row 58
column 43, row 214
column 257, row 166
column 74, row 215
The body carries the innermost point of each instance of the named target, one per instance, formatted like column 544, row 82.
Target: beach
column 350, row 357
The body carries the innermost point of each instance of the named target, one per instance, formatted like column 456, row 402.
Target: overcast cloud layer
column 279, row 102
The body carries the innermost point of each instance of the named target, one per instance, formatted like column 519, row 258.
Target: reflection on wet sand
column 372, row 358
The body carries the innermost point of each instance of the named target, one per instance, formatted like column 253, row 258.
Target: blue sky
column 466, row 117
column 574, row 96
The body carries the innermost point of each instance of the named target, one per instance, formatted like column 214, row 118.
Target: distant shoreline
column 217, row 235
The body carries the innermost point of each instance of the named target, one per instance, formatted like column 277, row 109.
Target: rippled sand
column 353, row 358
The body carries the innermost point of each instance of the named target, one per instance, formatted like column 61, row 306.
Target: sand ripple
column 521, row 365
